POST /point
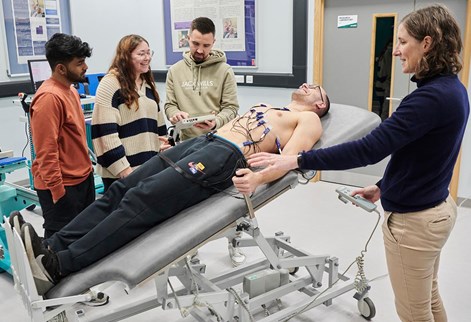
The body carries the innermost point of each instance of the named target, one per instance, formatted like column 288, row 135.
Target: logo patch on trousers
column 196, row 167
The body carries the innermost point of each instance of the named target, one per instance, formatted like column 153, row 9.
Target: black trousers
column 76, row 198
column 151, row 194
column 107, row 182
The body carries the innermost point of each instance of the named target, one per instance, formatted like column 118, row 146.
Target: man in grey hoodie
column 201, row 83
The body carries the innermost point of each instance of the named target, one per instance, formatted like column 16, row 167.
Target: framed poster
column 28, row 25
column 235, row 28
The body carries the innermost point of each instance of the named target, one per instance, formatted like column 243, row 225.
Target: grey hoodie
column 200, row 89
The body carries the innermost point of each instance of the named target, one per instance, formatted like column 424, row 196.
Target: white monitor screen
column 39, row 71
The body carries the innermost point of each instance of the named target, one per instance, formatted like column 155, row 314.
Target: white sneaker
column 237, row 255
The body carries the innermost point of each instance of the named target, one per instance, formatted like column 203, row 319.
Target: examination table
column 163, row 252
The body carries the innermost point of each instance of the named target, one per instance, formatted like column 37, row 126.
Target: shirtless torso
column 267, row 129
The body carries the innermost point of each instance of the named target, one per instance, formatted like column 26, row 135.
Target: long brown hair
column 444, row 55
column 122, row 68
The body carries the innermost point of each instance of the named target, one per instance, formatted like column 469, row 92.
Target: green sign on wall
column 349, row 21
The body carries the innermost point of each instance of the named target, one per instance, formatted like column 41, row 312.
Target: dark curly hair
column 63, row 48
column 437, row 22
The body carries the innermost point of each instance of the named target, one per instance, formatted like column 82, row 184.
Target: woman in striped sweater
column 128, row 126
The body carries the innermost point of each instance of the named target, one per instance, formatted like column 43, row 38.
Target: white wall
column 13, row 135
column 103, row 23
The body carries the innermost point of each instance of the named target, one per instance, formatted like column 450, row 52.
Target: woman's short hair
column 437, row 22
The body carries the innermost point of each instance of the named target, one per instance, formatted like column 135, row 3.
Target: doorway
column 383, row 64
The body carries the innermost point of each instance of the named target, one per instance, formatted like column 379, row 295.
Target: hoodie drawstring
column 197, row 81
column 199, row 78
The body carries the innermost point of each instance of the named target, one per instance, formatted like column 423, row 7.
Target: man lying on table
column 174, row 180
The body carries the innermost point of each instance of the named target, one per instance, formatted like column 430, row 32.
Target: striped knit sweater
column 124, row 137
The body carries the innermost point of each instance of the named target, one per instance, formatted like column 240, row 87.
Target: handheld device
column 345, row 196
column 189, row 122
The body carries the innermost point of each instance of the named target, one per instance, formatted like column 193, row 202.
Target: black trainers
column 16, row 221
column 43, row 262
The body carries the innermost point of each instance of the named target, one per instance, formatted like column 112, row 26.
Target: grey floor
column 319, row 223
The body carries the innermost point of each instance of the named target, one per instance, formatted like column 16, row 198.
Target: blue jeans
column 148, row 196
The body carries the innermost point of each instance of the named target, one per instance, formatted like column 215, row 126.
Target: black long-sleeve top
column 423, row 137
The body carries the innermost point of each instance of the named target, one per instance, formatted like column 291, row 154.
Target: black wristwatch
column 300, row 159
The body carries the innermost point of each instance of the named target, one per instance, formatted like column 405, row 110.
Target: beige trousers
column 413, row 243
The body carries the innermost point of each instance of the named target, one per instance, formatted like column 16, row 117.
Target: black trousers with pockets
column 76, row 198
column 148, row 196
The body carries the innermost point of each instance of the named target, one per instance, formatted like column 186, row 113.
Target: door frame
column 318, row 49
column 372, row 59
